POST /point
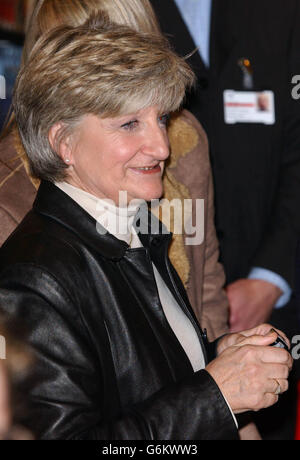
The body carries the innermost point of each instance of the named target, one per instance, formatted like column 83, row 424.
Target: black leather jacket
column 108, row 365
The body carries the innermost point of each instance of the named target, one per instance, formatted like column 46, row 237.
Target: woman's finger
column 258, row 340
column 276, row 383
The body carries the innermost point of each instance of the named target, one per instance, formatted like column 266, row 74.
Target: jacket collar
column 54, row 204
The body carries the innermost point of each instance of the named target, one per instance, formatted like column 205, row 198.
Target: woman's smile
column 148, row 170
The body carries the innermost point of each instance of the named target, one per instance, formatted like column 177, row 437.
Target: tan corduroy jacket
column 188, row 176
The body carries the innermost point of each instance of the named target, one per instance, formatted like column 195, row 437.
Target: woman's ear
column 60, row 142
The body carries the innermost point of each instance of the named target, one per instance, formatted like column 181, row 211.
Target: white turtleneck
column 119, row 222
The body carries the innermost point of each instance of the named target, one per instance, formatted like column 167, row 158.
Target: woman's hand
column 263, row 330
column 249, row 372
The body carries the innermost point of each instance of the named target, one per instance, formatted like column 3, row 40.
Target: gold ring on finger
column 278, row 389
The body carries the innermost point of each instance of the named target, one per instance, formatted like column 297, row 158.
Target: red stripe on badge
column 239, row 104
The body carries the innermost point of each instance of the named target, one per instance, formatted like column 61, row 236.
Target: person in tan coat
column 17, row 192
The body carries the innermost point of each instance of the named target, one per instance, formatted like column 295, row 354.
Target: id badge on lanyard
column 249, row 106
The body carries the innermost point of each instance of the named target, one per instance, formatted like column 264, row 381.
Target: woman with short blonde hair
column 119, row 352
column 112, row 74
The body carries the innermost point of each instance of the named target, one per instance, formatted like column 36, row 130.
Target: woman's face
column 126, row 153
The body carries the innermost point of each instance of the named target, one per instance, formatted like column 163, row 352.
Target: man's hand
column 251, row 303
column 248, row 374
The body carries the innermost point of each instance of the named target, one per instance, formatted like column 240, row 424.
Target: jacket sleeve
column 278, row 248
column 215, row 311
column 70, row 390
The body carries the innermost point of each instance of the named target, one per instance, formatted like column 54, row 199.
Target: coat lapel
column 174, row 27
column 228, row 24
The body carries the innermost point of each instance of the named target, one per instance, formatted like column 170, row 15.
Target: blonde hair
column 98, row 68
column 48, row 14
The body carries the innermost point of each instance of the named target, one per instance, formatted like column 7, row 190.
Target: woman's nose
column 157, row 144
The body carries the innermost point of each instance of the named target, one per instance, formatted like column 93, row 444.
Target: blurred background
column 13, row 14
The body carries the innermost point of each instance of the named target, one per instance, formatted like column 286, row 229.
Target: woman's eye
column 164, row 119
column 130, row 125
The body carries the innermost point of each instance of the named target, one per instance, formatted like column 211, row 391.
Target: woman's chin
column 149, row 196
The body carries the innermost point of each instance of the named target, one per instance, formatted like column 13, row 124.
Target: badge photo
column 249, row 107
